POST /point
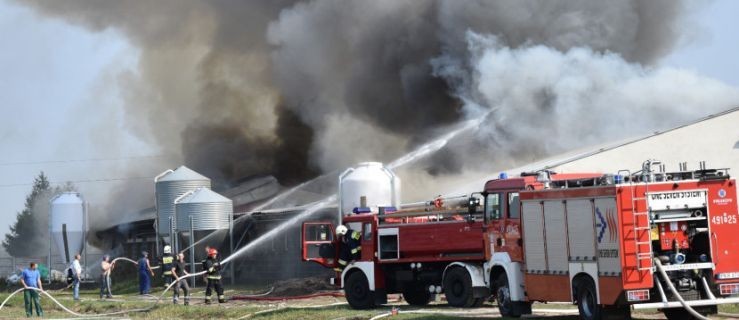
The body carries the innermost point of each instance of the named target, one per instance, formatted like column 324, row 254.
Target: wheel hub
column 358, row 290
column 457, row 288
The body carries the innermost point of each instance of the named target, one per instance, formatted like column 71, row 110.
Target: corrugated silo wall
column 278, row 258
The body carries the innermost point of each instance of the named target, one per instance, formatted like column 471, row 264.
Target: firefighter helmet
column 167, row 249
column 212, row 252
column 341, row 230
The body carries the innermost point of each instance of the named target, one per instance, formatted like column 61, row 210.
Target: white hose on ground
column 422, row 311
column 259, row 294
column 81, row 315
column 677, row 295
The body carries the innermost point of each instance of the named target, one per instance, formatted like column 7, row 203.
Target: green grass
column 253, row 310
column 729, row 308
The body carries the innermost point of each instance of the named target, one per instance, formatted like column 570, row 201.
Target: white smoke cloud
column 545, row 101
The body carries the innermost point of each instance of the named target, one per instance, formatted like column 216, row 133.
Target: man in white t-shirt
column 77, row 273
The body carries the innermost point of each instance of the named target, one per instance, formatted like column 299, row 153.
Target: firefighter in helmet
column 212, row 267
column 350, row 248
column 167, row 260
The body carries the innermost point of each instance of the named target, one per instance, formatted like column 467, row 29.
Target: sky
column 50, row 82
column 50, row 75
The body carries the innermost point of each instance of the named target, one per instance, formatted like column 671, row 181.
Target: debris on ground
column 300, row 286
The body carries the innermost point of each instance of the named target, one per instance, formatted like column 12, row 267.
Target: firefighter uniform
column 350, row 249
column 167, row 261
column 213, row 274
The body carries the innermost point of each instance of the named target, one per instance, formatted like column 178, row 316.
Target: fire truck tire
column 507, row 307
column 357, row 291
column 587, row 300
column 458, row 288
column 416, row 295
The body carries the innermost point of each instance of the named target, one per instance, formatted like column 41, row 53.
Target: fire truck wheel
column 458, row 288
column 507, row 307
column 357, row 291
column 587, row 300
column 416, row 295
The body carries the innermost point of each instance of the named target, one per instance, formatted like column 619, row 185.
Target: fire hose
column 422, row 311
column 129, row 260
column 260, row 294
column 81, row 315
column 677, row 294
column 306, row 296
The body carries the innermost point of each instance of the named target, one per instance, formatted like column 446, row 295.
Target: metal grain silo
column 207, row 209
column 371, row 181
column 169, row 186
column 201, row 211
column 67, row 224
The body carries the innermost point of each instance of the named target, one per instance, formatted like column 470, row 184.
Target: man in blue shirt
column 30, row 278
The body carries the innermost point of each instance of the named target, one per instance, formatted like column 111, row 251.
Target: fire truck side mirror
column 472, row 203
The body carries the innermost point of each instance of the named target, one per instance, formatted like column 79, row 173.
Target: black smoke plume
column 296, row 88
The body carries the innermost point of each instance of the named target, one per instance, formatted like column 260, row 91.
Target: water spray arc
column 420, row 152
column 279, row 197
column 306, row 213
column 436, row 145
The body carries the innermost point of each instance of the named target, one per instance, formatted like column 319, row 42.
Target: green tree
column 29, row 236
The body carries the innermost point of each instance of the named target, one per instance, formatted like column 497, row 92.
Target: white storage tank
column 378, row 185
column 208, row 209
column 67, row 224
column 169, row 186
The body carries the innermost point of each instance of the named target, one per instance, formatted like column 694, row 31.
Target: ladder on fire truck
column 640, row 208
column 643, row 257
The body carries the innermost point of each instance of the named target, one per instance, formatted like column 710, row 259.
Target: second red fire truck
column 606, row 242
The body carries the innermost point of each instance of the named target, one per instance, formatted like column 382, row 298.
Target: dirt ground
column 299, row 287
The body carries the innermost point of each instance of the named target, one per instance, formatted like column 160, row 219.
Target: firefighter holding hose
column 349, row 246
column 178, row 271
column 167, row 260
column 212, row 267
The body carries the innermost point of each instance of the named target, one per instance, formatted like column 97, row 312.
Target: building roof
column 713, row 139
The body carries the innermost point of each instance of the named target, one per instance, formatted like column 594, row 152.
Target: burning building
column 284, row 91
column 274, row 260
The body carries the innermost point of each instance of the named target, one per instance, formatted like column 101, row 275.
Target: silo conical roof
column 183, row 174
column 68, row 197
column 204, row 195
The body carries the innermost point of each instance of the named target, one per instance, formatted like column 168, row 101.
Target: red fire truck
column 608, row 243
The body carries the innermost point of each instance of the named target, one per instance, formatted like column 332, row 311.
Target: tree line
column 29, row 234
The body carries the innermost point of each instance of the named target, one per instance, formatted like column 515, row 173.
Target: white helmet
column 341, row 230
column 167, row 249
